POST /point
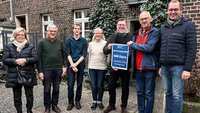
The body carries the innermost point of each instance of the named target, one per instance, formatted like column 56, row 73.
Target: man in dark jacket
column 51, row 66
column 122, row 36
column 177, row 55
column 145, row 62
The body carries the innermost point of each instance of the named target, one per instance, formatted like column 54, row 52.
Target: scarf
column 141, row 39
column 173, row 22
column 19, row 46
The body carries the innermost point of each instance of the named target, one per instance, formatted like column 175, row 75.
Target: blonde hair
column 16, row 31
column 98, row 29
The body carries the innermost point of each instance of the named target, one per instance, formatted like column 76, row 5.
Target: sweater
column 97, row 59
column 51, row 55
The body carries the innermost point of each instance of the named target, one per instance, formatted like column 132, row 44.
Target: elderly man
column 145, row 62
column 177, row 55
column 122, row 36
column 50, row 67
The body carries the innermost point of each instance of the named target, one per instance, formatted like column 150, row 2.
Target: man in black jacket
column 122, row 36
column 177, row 55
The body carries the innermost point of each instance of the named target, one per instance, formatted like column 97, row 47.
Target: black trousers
column 125, row 78
column 17, row 94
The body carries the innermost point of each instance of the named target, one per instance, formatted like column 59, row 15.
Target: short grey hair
column 52, row 25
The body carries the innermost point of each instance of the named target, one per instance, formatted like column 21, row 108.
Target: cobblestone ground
column 6, row 100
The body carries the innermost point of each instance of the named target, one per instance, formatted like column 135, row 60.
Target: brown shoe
column 70, row 106
column 124, row 110
column 108, row 109
column 47, row 110
column 56, row 109
column 78, row 105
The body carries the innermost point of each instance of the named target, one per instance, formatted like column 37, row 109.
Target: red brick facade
column 63, row 11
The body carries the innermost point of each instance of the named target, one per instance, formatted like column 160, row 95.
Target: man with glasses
column 177, row 55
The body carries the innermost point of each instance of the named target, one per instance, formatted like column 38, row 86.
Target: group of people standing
column 170, row 51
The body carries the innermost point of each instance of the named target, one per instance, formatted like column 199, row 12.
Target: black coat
column 178, row 44
column 10, row 54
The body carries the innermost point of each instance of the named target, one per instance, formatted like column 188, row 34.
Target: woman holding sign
column 97, row 67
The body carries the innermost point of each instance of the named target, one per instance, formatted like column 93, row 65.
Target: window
column 82, row 17
column 46, row 20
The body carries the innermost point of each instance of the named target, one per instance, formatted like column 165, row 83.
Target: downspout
column 11, row 11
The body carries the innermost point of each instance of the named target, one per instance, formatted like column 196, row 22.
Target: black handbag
column 24, row 78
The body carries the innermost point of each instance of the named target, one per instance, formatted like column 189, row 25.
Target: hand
column 64, row 69
column 41, row 76
column 159, row 72
column 110, row 46
column 186, row 75
column 20, row 61
column 75, row 69
column 115, row 69
column 129, row 43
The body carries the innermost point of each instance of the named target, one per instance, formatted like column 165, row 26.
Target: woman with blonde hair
column 97, row 67
column 20, row 57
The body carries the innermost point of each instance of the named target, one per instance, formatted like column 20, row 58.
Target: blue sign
column 119, row 57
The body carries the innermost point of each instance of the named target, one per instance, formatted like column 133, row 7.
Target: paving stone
column 7, row 105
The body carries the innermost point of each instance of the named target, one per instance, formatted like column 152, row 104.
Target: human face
column 52, row 33
column 77, row 30
column 121, row 26
column 174, row 11
column 20, row 37
column 145, row 20
column 98, row 35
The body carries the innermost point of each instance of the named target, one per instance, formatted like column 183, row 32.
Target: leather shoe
column 94, row 106
column 124, row 110
column 101, row 106
column 56, row 109
column 78, row 105
column 47, row 110
column 108, row 109
column 70, row 106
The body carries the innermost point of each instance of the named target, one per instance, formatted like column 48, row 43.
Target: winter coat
column 178, row 44
column 149, row 49
column 10, row 54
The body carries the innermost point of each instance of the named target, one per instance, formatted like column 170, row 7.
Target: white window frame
column 82, row 21
column 45, row 23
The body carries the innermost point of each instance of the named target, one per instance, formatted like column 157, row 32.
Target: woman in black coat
column 22, row 55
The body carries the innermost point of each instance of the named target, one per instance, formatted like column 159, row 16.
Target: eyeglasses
column 20, row 35
column 171, row 10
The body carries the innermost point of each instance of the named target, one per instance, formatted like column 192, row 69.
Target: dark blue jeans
column 97, row 83
column 51, row 77
column 71, row 75
column 125, row 79
column 145, row 85
column 173, row 88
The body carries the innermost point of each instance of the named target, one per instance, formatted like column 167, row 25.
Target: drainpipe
column 11, row 11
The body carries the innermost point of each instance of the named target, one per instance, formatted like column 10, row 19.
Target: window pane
column 45, row 28
column 45, row 18
column 87, row 26
column 50, row 16
column 77, row 15
column 86, row 14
